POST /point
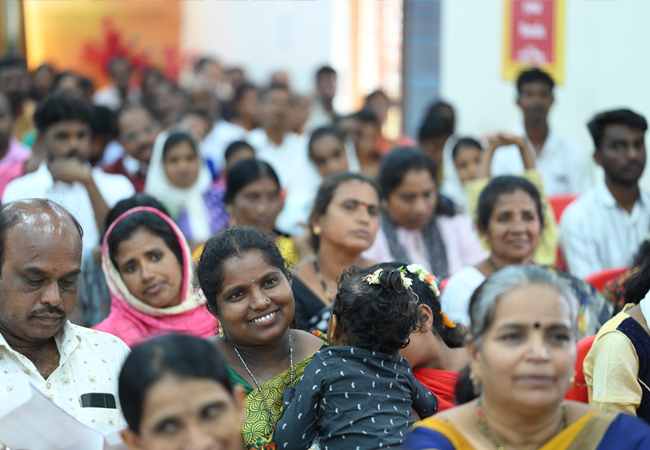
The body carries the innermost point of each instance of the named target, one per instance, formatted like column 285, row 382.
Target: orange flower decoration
column 446, row 321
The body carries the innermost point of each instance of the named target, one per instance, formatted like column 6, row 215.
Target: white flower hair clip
column 374, row 278
column 424, row 277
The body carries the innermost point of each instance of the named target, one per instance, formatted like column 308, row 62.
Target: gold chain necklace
column 485, row 431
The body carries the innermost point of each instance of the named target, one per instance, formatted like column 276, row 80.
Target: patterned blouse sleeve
column 297, row 427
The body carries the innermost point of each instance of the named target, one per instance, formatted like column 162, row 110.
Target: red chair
column 578, row 388
column 443, row 284
column 599, row 279
column 558, row 204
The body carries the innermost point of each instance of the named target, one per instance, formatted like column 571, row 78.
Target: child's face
column 329, row 155
column 466, row 162
column 181, row 165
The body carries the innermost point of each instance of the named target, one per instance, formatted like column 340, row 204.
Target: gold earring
column 317, row 230
column 476, row 382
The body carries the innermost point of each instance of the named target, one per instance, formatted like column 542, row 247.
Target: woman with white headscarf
column 179, row 178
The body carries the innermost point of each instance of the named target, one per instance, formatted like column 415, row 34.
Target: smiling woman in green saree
column 248, row 288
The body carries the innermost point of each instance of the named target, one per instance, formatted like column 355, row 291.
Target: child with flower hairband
column 358, row 393
column 436, row 351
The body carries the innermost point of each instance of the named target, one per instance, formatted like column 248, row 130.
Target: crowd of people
column 224, row 265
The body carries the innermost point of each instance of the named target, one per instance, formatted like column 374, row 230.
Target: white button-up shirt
column 89, row 361
column 72, row 196
column 298, row 176
column 565, row 167
column 596, row 233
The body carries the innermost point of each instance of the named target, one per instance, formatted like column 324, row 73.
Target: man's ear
column 597, row 158
column 131, row 439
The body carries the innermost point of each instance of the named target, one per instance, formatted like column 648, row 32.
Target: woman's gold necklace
column 266, row 405
column 485, row 431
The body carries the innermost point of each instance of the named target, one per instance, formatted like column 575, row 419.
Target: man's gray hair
column 485, row 298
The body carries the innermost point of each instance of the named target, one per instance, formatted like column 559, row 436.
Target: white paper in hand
column 29, row 420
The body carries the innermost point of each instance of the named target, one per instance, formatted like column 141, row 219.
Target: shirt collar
column 605, row 197
column 67, row 340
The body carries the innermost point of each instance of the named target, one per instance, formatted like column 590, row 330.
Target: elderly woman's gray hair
column 484, row 300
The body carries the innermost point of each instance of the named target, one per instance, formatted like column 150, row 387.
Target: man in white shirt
column 118, row 92
column 564, row 166
column 321, row 112
column 287, row 153
column 75, row 367
column 605, row 226
column 63, row 123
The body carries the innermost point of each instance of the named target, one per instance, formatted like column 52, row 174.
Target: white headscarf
column 177, row 199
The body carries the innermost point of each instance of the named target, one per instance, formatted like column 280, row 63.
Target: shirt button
column 48, row 385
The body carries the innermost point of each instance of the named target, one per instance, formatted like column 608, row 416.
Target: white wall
column 265, row 36
column 607, row 65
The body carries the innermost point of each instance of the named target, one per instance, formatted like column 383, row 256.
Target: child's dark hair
column 452, row 337
column 465, row 143
column 376, row 317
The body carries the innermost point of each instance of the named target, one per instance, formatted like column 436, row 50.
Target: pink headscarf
column 134, row 321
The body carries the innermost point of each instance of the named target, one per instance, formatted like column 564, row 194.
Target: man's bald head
column 38, row 215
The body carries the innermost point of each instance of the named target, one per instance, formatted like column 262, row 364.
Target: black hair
column 465, row 143
column 12, row 61
column 195, row 112
column 103, row 121
column 61, row 106
column 264, row 94
column 328, row 189
column 376, row 317
column 229, row 243
column 625, row 117
column 435, row 125
column 129, row 203
column 204, row 61
column 506, row 184
column 367, row 116
column 325, row 70
column 86, row 84
column 637, row 286
column 45, row 66
column 61, row 75
column 185, row 357
column 534, row 76
column 464, row 391
column 378, row 92
column 234, row 147
column 244, row 173
column 452, row 337
column 130, row 106
column 398, row 163
column 241, row 91
column 150, row 221
column 176, row 138
column 11, row 213
column 321, row 132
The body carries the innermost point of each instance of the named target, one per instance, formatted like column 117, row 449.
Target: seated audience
column 344, row 222
column 522, row 351
column 321, row 112
column 196, row 122
column 416, row 226
column 373, row 314
column 93, row 296
column 286, row 152
column 13, row 154
column 104, row 132
column 247, row 286
column 253, row 197
column 605, row 226
column 564, row 166
column 176, row 394
column 369, row 130
column 435, row 132
column 235, row 152
column 436, row 351
column 546, row 251
column 510, row 219
column 149, row 270
column 119, row 91
column 137, row 131
column 299, row 113
column 42, row 82
column 168, row 103
column 327, row 151
column 246, row 106
column 14, row 83
column 616, row 368
column 40, row 249
column 63, row 123
column 179, row 179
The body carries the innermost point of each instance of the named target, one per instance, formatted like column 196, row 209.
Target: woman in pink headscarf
column 149, row 271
